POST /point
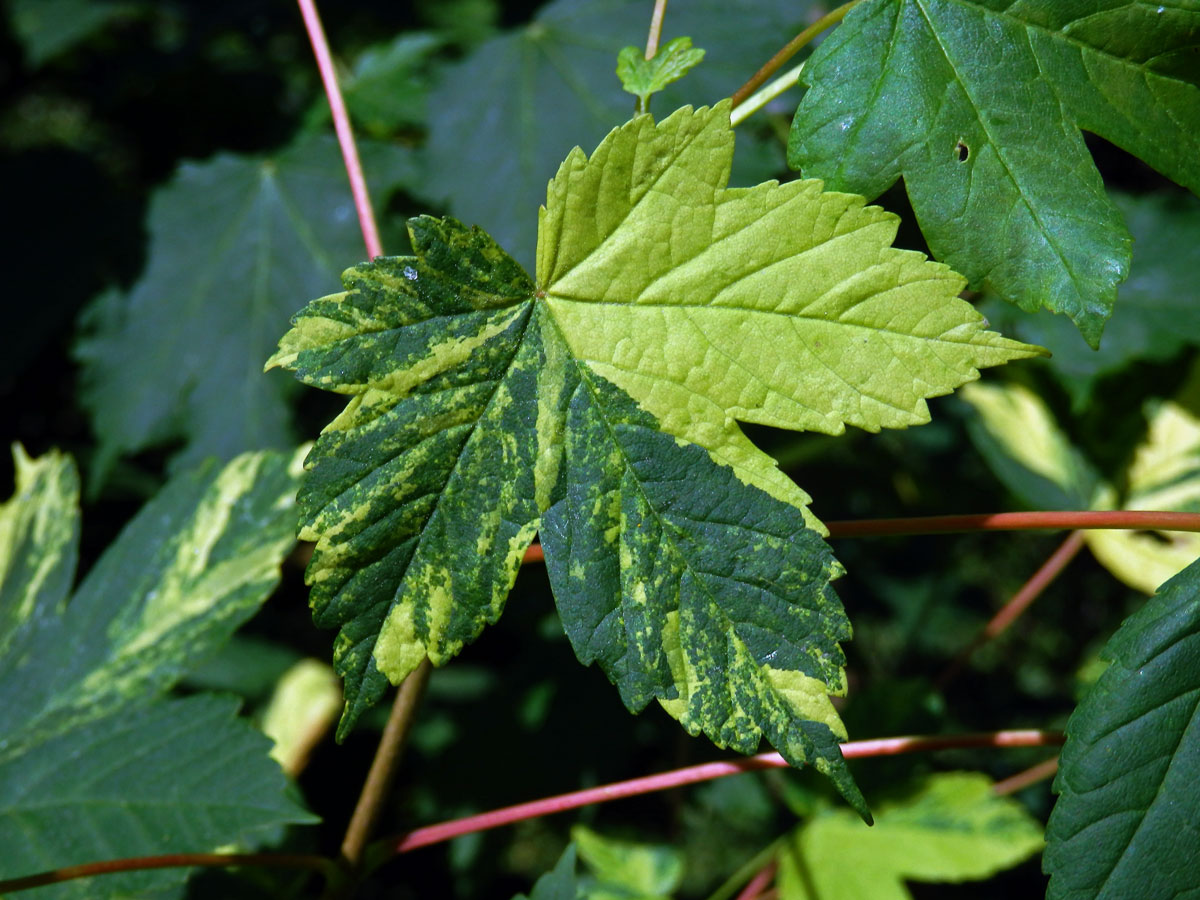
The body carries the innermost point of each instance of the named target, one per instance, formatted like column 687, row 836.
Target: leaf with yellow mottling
column 420, row 495
column 779, row 305
column 84, row 680
column 693, row 589
column 601, row 403
column 1164, row 475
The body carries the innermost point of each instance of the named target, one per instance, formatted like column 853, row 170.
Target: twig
column 784, row 82
column 790, row 49
column 1043, row 770
column 341, row 124
column 436, row 834
column 656, row 20
column 1137, row 520
column 171, row 861
column 1012, row 610
column 748, row 869
column 383, row 766
column 760, row 882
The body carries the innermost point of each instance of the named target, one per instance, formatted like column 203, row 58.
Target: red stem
column 1138, row 520
column 1035, row 773
column 436, row 834
column 341, row 124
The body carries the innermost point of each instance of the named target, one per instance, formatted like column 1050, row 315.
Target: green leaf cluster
column 86, row 678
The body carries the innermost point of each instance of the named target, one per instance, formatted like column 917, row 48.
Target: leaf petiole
column 790, row 49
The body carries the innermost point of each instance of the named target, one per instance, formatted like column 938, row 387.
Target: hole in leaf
column 963, row 151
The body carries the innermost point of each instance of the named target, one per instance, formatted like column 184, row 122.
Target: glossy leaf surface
column 979, row 106
column 1129, row 781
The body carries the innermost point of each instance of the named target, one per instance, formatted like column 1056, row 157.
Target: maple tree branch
column 383, row 766
column 1039, row 772
column 790, row 49
column 1138, row 520
column 341, row 124
column 171, row 861
column 1012, row 610
column 444, row 831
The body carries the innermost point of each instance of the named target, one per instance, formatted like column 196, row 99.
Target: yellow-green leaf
column 1164, row 475
column 779, row 305
column 950, row 827
column 1019, row 437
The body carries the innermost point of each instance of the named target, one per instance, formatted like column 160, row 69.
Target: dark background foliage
column 91, row 128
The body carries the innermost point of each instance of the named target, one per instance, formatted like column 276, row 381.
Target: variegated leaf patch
column 601, row 404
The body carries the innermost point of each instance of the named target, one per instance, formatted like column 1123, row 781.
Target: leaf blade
column 195, row 563
column 1128, row 779
column 420, row 524
column 779, row 305
column 693, row 589
column 989, row 146
column 39, row 542
column 233, row 240
column 947, row 827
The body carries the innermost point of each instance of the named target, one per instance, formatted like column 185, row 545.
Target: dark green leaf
column 1129, row 781
column 420, row 496
column 172, row 777
column 1157, row 315
column 978, row 105
column 81, row 684
column 694, row 589
column 503, row 118
column 233, row 240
